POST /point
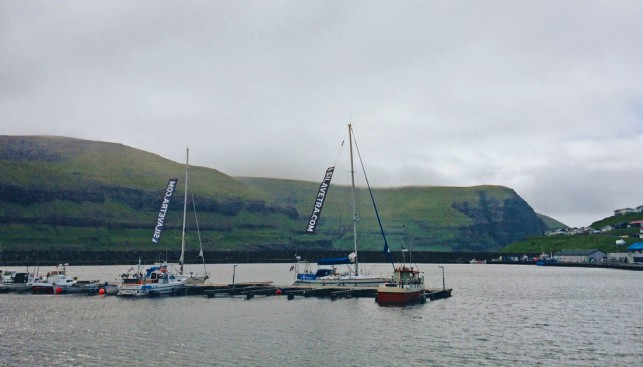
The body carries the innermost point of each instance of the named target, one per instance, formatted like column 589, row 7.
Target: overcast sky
column 544, row 97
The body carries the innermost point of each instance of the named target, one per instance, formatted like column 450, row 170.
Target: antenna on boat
column 404, row 251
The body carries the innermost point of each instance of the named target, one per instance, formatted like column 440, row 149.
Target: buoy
column 101, row 291
column 278, row 292
column 59, row 290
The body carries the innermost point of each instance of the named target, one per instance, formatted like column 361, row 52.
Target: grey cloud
column 540, row 96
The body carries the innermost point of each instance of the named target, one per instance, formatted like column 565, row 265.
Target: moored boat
column 475, row 261
column 406, row 286
column 55, row 282
column 544, row 260
column 158, row 280
column 327, row 273
column 16, row 281
column 161, row 279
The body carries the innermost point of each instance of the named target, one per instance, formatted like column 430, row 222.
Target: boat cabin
column 407, row 275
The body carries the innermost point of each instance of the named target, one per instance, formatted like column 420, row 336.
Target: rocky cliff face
column 496, row 223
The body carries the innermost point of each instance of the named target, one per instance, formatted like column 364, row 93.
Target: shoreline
column 76, row 257
column 79, row 257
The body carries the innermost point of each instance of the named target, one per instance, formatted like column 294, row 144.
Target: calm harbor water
column 499, row 315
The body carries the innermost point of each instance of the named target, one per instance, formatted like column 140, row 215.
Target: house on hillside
column 639, row 209
column 576, row 231
column 621, row 225
column 624, row 211
column 556, row 232
column 636, row 223
column 580, row 256
column 635, row 253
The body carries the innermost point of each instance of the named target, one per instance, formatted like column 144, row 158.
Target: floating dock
column 251, row 290
column 333, row 293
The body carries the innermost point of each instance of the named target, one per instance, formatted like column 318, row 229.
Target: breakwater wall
column 78, row 257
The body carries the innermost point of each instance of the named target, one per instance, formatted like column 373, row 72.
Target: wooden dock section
column 249, row 291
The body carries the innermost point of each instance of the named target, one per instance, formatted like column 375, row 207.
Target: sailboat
column 327, row 273
column 192, row 279
column 160, row 279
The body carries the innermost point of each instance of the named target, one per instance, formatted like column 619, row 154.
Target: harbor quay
column 246, row 290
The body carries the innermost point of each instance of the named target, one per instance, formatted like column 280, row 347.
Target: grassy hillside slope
column 428, row 218
column 60, row 192
column 551, row 222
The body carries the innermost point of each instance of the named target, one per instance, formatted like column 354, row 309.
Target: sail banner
column 165, row 204
column 319, row 200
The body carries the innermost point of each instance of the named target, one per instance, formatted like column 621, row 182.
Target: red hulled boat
column 406, row 286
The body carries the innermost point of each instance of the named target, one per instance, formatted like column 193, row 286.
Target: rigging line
column 198, row 232
column 341, row 147
column 196, row 220
column 368, row 185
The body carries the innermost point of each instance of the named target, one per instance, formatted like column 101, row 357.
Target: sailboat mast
column 185, row 206
column 350, row 140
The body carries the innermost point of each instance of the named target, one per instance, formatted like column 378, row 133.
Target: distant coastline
column 76, row 257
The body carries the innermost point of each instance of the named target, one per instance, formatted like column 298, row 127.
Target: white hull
column 360, row 281
column 196, row 280
column 56, row 281
column 149, row 289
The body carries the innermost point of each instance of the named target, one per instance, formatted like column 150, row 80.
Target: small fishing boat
column 545, row 259
column 16, row 281
column 55, row 282
column 475, row 261
column 158, row 280
column 405, row 286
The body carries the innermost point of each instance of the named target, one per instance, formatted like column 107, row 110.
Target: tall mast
column 185, row 206
column 350, row 140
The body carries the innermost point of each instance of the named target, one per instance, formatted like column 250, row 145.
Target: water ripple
column 498, row 316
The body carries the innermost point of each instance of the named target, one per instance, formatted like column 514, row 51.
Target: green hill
column 551, row 222
column 428, row 218
column 68, row 193
column 604, row 241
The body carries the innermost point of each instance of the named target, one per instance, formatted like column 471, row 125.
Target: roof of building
column 576, row 252
column 638, row 246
